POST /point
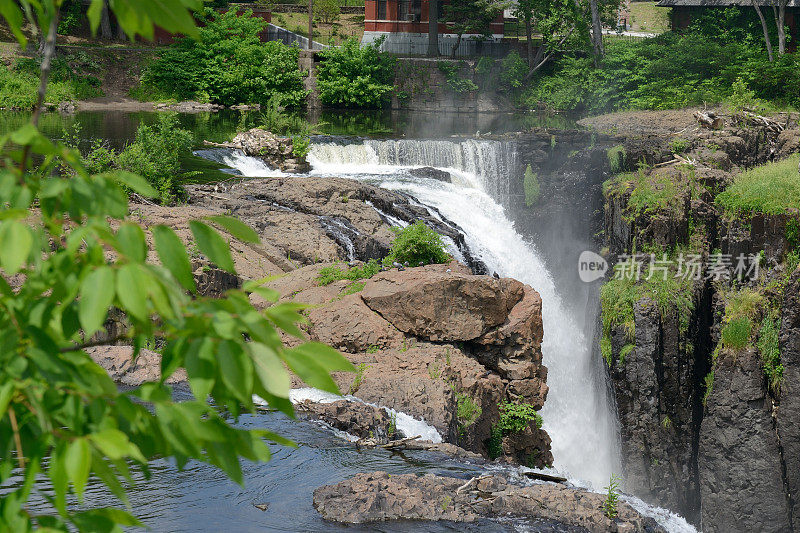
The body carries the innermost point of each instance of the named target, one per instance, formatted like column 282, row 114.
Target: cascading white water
column 577, row 414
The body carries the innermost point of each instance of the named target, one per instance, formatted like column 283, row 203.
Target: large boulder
column 380, row 496
column 118, row 361
column 277, row 152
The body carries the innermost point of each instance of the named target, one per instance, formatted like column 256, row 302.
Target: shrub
column 514, row 418
column 329, row 274
column 514, row 70
column 416, row 245
column 531, row 185
column 154, row 154
column 741, row 97
column 616, row 158
column 680, row 145
column 773, row 188
column 357, row 76
column 612, row 497
column 668, row 71
column 228, row 65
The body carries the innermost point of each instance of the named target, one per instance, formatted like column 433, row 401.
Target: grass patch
column 770, row 189
column 769, row 347
column 736, row 333
column 648, row 17
column 619, row 296
column 329, row 274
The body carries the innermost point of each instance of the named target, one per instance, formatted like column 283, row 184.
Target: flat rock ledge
column 380, row 496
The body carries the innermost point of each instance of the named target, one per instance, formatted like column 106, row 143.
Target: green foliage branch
column 62, row 419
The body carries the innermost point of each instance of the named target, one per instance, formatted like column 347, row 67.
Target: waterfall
column 578, row 413
column 475, row 163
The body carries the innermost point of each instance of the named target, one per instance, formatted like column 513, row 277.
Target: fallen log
column 708, row 120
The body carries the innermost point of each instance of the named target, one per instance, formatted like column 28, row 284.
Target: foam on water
column 406, row 424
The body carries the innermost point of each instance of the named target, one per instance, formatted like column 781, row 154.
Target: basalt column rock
column 741, row 475
column 789, row 410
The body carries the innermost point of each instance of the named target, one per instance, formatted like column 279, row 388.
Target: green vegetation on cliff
column 619, row 296
column 417, row 245
column 514, row 418
column 228, row 65
column 772, row 189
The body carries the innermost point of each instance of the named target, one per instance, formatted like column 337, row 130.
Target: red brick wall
column 391, row 24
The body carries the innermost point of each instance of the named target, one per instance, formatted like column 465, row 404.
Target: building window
column 381, row 9
column 409, row 10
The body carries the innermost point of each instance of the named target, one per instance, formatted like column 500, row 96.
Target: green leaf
column 211, row 244
column 16, row 242
column 270, row 370
column 237, row 228
column 133, row 181
column 94, row 13
column 114, row 444
column 131, row 241
column 173, row 256
column 236, row 370
column 6, row 392
column 325, row 356
column 310, row 371
column 201, row 368
column 132, row 282
column 97, row 295
column 13, row 15
column 77, row 461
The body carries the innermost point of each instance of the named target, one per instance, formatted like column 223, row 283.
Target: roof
column 722, row 3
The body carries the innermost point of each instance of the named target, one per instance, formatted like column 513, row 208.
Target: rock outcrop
column 310, row 220
column 380, row 496
column 439, row 344
column 277, row 152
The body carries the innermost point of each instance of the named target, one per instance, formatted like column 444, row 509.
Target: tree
column 557, row 21
column 73, row 256
column 780, row 19
column 767, row 38
column 327, row 10
column 471, row 16
column 597, row 32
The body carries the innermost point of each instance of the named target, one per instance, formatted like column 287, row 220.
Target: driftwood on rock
column 708, row 120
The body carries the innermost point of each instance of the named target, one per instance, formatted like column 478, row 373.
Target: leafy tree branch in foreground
column 61, row 416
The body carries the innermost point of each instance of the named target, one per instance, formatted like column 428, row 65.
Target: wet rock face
column 358, row 419
column 431, row 173
column 312, row 220
column 788, row 414
column 380, row 496
column 741, row 478
column 277, row 152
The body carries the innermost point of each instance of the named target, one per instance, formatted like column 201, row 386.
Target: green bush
column 616, row 158
column 154, row 154
column 514, row 70
column 228, row 65
column 514, row 418
column 355, row 76
column 416, row 245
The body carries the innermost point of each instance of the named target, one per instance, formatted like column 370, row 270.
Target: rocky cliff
column 704, row 370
